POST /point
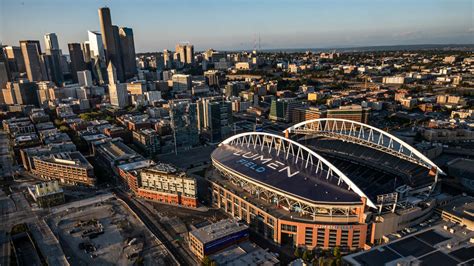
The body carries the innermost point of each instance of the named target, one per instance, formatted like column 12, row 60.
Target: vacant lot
column 105, row 233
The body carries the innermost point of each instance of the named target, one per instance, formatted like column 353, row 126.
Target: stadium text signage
column 344, row 227
column 260, row 164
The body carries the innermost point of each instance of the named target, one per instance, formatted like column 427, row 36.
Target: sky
column 236, row 24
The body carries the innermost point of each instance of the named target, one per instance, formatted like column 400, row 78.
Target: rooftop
column 283, row 174
column 137, row 165
column 68, row 158
column 218, row 230
column 462, row 164
column 245, row 253
column 462, row 207
column 433, row 246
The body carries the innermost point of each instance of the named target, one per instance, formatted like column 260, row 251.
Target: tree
column 306, row 255
column 58, row 122
column 206, row 261
column 297, row 252
column 337, row 252
column 63, row 129
column 321, row 261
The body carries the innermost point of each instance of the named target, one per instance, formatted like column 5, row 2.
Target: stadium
column 325, row 183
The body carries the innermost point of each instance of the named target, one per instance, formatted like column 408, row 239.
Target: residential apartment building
column 165, row 183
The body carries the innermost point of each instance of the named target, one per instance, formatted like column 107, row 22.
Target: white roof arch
column 252, row 138
column 374, row 137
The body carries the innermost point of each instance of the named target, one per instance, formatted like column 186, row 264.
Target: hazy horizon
column 236, row 24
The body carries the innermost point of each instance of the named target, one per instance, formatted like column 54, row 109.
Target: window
column 332, row 237
column 320, row 238
column 308, row 236
column 355, row 238
column 270, row 221
column 344, row 238
column 289, row 228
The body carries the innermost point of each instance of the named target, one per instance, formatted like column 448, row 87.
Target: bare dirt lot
column 105, row 233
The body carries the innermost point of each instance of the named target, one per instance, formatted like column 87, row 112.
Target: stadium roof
column 288, row 167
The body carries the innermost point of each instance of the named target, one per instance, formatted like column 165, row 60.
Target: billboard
column 226, row 241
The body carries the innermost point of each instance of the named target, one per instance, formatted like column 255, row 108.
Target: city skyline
column 237, row 25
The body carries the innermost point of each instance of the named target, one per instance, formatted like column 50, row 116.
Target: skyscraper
column 86, row 51
column 84, row 78
column 184, row 123
column 111, row 73
column 51, row 41
column 117, row 91
column 127, row 48
column 110, row 40
column 168, row 58
column 24, row 92
column 185, row 53
column 181, row 82
column 77, row 59
column 189, row 54
column 52, row 59
column 5, row 74
column 214, row 117
column 34, row 64
column 15, row 59
column 95, row 44
column 181, row 53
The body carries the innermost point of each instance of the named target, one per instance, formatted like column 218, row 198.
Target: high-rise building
column 185, row 53
column 189, row 54
column 52, row 59
column 168, row 58
column 95, row 44
column 111, row 73
column 214, row 117
column 117, row 91
column 214, row 78
column 183, row 115
column 84, row 78
column 77, row 59
column 110, row 40
column 99, row 72
column 282, row 109
column 15, row 59
column 233, row 88
column 51, row 41
column 181, row 82
column 180, row 52
column 350, row 112
column 34, row 64
column 5, row 74
column 86, row 51
column 127, row 48
column 22, row 92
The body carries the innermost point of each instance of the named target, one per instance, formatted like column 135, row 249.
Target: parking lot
column 105, row 233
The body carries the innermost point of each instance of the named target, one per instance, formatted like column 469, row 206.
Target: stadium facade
column 326, row 183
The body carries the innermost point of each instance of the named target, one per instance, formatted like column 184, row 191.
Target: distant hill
column 414, row 47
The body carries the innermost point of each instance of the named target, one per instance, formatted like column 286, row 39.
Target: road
column 22, row 213
column 146, row 216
